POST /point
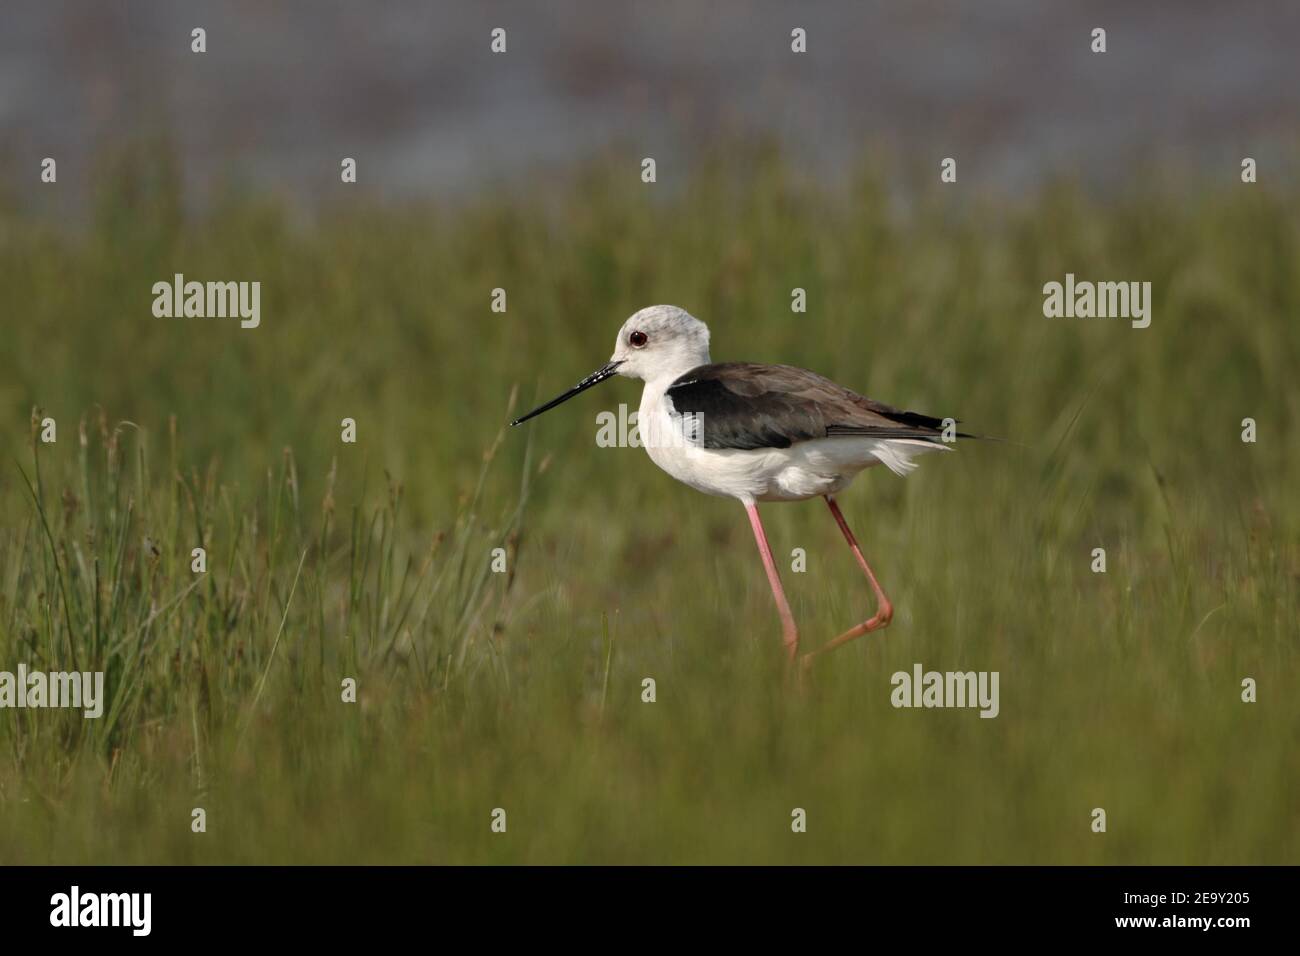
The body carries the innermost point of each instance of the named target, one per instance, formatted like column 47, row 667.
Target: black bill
column 595, row 378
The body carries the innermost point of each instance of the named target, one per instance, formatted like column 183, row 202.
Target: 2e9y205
column 1221, row 897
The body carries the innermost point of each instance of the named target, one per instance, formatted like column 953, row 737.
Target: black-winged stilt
column 759, row 433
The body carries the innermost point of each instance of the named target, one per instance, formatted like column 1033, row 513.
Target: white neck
column 674, row 368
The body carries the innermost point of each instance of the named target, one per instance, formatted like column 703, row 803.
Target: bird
column 760, row 433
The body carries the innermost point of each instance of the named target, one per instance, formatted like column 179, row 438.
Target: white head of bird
column 659, row 342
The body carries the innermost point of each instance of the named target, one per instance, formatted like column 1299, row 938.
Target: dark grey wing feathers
column 746, row 405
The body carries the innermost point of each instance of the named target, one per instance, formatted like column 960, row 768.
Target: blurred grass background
column 523, row 690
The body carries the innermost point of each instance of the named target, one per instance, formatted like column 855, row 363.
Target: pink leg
column 789, row 631
column 884, row 610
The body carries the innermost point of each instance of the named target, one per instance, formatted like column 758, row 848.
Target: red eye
column 637, row 339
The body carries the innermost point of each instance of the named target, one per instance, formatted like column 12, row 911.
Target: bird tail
column 896, row 453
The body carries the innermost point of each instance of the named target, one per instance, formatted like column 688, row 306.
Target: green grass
column 523, row 690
